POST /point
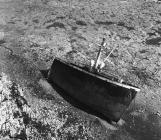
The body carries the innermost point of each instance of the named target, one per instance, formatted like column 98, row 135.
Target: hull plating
column 106, row 97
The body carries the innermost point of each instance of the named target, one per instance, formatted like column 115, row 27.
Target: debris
column 158, row 113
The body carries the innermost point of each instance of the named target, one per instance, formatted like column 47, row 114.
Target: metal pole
column 103, row 44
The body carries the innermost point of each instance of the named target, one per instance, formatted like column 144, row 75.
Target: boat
column 98, row 92
column 107, row 96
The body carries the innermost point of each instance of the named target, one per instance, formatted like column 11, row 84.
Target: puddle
column 56, row 24
column 153, row 41
column 81, row 23
column 127, row 27
column 104, row 22
column 118, row 24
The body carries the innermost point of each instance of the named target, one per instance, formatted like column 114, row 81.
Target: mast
column 103, row 44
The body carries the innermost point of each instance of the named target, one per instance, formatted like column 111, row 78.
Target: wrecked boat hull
column 106, row 97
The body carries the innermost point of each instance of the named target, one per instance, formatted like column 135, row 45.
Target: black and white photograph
column 80, row 69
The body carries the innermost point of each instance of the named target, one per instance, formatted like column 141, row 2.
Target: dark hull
column 102, row 95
